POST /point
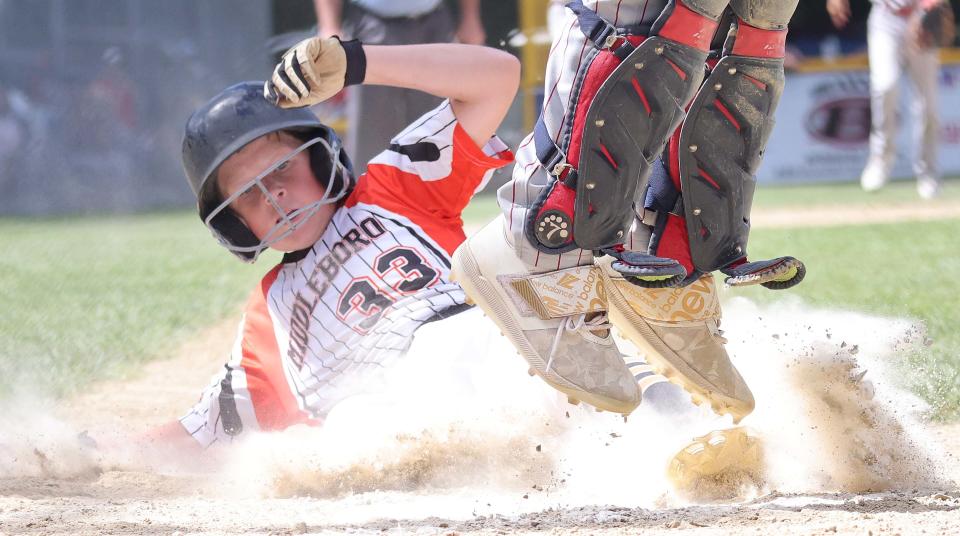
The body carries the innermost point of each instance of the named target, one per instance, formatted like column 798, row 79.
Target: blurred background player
column 13, row 138
column 374, row 113
column 366, row 259
column 895, row 46
column 580, row 213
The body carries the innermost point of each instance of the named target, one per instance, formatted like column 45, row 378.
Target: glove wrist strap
column 356, row 62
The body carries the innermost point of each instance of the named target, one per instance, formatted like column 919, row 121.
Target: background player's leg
column 885, row 42
column 923, row 67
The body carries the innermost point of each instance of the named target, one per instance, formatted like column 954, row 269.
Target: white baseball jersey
column 325, row 318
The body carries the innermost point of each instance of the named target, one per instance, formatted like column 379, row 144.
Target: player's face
column 292, row 186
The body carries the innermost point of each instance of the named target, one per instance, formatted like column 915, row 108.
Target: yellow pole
column 533, row 54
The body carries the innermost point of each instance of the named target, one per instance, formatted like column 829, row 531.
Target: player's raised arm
column 479, row 81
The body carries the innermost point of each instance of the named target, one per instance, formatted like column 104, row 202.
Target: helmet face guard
column 286, row 225
column 228, row 122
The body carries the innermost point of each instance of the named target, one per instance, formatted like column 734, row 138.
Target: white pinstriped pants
column 890, row 56
column 566, row 54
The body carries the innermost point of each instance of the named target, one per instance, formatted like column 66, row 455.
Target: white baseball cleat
column 875, row 175
column 556, row 320
column 928, row 187
column 678, row 332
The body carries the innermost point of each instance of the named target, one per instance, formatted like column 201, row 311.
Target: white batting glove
column 314, row 70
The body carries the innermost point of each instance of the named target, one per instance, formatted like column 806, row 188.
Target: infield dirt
column 466, row 442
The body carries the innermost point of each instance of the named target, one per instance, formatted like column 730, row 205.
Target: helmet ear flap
column 321, row 163
column 232, row 229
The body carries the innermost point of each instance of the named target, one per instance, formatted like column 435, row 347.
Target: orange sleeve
column 445, row 196
column 430, row 173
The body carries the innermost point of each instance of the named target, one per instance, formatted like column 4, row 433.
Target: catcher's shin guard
column 721, row 145
column 631, row 96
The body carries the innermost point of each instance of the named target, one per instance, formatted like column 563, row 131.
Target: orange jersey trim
column 273, row 403
column 435, row 205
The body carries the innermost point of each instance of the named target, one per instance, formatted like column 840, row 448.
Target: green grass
column 846, row 194
column 842, row 194
column 481, row 209
column 92, row 298
column 907, row 269
column 88, row 298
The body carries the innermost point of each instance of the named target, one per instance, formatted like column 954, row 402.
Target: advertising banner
column 823, row 128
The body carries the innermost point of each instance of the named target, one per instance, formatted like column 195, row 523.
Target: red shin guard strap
column 757, row 43
column 674, row 242
column 688, row 27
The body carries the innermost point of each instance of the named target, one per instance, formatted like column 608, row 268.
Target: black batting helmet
column 235, row 117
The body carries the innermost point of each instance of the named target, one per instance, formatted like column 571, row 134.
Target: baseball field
column 110, row 326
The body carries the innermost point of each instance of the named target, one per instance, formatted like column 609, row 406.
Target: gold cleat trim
column 623, row 316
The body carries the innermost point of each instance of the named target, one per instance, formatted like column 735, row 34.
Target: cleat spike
column 469, row 301
column 573, row 401
column 531, row 372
